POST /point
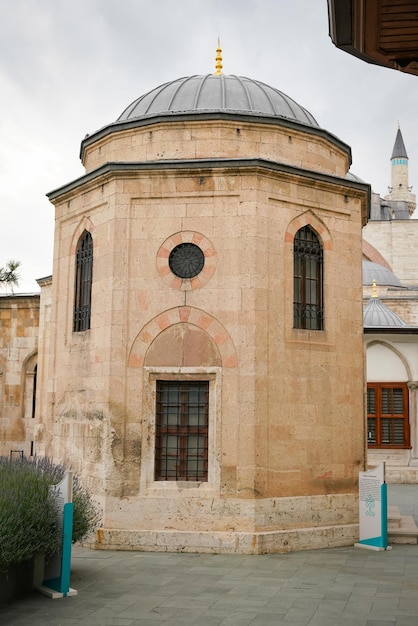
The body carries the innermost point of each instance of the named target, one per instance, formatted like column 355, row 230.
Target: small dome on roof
column 379, row 273
column 217, row 92
column 378, row 315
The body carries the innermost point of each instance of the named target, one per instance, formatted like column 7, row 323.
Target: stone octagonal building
column 203, row 366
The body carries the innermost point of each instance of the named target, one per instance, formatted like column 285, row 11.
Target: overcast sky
column 69, row 67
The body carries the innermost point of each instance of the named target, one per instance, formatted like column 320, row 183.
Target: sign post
column 373, row 510
column 56, row 583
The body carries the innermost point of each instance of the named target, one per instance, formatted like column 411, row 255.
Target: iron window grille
column 35, row 378
column 181, row 443
column 308, row 305
column 83, row 282
column 388, row 415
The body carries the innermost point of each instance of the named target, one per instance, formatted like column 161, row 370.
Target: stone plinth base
column 275, row 541
column 401, row 475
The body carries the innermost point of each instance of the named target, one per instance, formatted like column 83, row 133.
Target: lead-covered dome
column 206, row 103
column 382, row 275
column 378, row 315
column 220, row 93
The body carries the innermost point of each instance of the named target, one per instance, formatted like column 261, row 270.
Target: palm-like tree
column 9, row 276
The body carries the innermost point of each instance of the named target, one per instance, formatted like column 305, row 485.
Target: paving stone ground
column 330, row 587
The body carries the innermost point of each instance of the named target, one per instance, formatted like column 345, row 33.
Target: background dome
column 379, row 273
column 354, row 177
column 213, row 92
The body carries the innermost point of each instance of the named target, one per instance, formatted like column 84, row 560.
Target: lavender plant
column 28, row 518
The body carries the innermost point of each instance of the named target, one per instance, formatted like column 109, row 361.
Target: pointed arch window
column 83, row 281
column 308, row 304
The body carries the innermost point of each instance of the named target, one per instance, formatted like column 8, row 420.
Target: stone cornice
column 112, row 169
column 381, row 330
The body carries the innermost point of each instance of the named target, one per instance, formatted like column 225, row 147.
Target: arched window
column 29, row 371
column 308, row 305
column 83, row 280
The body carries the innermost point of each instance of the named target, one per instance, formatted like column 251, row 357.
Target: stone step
column 401, row 528
column 394, row 518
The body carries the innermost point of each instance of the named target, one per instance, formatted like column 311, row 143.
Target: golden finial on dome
column 374, row 289
column 218, row 58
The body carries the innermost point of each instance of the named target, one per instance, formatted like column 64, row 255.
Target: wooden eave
column 384, row 32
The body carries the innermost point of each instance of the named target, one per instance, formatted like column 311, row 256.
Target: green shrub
column 29, row 523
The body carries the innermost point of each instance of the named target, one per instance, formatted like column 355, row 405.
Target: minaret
column 400, row 190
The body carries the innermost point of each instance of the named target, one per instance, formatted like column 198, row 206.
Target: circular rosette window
column 186, row 260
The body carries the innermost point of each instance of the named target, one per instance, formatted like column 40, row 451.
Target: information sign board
column 56, row 583
column 373, row 509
